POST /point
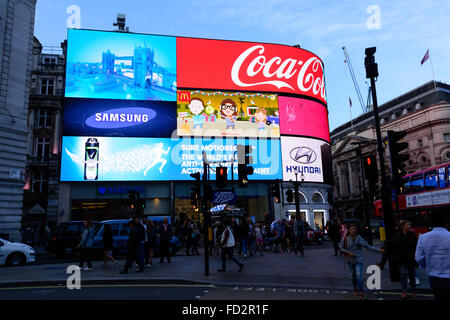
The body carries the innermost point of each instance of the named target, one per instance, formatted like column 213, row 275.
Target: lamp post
column 296, row 194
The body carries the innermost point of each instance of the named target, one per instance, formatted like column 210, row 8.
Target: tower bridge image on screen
column 117, row 70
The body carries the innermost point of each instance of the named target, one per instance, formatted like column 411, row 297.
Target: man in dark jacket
column 335, row 236
column 134, row 240
column 165, row 234
column 401, row 249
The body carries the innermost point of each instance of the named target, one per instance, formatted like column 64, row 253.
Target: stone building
column 44, row 123
column 16, row 44
column 423, row 112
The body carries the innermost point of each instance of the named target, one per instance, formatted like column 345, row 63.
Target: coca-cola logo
column 252, row 64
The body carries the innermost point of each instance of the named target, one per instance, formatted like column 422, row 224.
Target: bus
column 421, row 193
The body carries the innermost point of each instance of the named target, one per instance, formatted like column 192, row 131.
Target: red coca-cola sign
column 234, row 65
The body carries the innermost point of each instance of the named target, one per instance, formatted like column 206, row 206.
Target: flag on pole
column 350, row 101
column 425, row 57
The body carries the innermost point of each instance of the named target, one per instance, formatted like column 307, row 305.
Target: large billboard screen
column 144, row 107
column 309, row 157
column 301, row 117
column 234, row 65
column 223, row 113
column 116, row 65
column 143, row 159
column 119, row 118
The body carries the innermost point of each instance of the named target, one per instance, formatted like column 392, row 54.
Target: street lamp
column 296, row 186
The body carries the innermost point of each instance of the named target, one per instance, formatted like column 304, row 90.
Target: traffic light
column 275, row 192
column 244, row 159
column 370, row 169
column 397, row 160
column 221, row 177
column 195, row 191
column 290, row 196
column 132, row 198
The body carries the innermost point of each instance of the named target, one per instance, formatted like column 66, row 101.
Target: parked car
column 15, row 254
column 65, row 238
column 121, row 232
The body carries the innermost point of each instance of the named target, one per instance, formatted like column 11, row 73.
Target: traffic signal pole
column 206, row 213
column 372, row 73
column 365, row 194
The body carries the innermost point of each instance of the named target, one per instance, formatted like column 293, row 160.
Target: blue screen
column 160, row 159
column 115, row 65
column 119, row 118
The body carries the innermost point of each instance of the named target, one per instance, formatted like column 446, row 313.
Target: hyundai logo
column 303, row 155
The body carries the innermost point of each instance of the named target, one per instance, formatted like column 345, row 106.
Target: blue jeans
column 244, row 244
column 356, row 275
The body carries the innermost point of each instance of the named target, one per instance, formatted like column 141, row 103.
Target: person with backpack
column 85, row 245
column 227, row 243
column 351, row 246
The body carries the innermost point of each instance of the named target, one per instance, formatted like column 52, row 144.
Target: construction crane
column 365, row 107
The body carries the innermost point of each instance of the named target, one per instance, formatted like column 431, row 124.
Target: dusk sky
column 407, row 30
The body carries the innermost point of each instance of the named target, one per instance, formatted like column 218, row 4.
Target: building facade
column 424, row 113
column 16, row 44
column 41, row 189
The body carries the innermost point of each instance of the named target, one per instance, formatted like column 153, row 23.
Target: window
column 420, row 143
column 317, row 198
column 42, row 148
column 431, row 180
column 40, row 182
column 73, row 228
column 44, row 118
column 441, row 175
column 447, row 137
column 417, row 183
column 447, row 155
column 125, row 230
column 47, row 86
column 406, row 186
column 448, row 176
column 49, row 60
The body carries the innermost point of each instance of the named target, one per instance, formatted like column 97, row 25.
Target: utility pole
column 206, row 211
column 372, row 73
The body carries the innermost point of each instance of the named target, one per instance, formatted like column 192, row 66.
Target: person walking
column 289, row 235
column 433, row 253
column 227, row 243
column 150, row 248
column 244, row 231
column 196, row 235
column 299, row 233
column 343, row 231
column 401, row 249
column 108, row 245
column 259, row 239
column 188, row 236
column 251, row 237
column 165, row 234
column 351, row 246
column 334, row 234
column 134, row 240
column 85, row 245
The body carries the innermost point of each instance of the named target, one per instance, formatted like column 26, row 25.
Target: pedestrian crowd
column 404, row 250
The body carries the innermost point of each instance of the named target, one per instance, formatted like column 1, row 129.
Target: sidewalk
column 319, row 269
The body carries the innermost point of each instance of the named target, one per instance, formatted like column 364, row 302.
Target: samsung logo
column 120, row 118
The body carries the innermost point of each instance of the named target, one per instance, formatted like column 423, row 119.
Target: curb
column 19, row 284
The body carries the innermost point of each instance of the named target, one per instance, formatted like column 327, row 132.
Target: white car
column 15, row 254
